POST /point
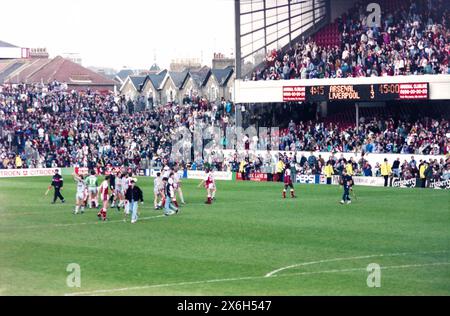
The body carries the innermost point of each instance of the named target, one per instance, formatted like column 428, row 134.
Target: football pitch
column 249, row 242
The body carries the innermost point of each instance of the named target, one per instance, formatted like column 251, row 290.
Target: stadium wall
column 271, row 91
column 370, row 157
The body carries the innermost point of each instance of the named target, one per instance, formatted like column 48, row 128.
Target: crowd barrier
column 358, row 181
column 255, row 177
column 38, row 172
column 189, row 174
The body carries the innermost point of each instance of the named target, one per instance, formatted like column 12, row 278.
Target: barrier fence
column 255, row 177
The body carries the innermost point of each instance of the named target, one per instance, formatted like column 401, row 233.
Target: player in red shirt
column 104, row 191
column 288, row 181
column 210, row 186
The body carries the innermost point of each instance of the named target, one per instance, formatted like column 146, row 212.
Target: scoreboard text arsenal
column 371, row 92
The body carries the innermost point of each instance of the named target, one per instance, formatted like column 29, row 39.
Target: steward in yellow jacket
column 386, row 171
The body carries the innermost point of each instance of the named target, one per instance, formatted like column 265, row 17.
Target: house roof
column 10, row 69
column 64, row 70
column 178, row 78
column 59, row 69
column 157, row 79
column 138, row 82
column 124, row 73
column 5, row 44
column 222, row 75
column 32, row 66
column 200, row 76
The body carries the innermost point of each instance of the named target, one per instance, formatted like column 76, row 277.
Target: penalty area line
column 144, row 287
column 274, row 272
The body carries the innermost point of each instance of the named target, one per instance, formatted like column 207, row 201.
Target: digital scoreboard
column 352, row 92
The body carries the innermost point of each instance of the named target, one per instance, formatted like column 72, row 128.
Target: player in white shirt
column 125, row 184
column 177, row 184
column 118, row 195
column 171, row 182
column 81, row 194
column 166, row 172
column 158, row 191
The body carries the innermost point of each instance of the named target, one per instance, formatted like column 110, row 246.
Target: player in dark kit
column 112, row 186
column 346, row 182
column 57, row 184
column 288, row 181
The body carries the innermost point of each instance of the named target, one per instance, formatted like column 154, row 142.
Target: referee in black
column 57, row 184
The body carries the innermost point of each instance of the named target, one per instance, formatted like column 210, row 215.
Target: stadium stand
column 49, row 126
column 413, row 39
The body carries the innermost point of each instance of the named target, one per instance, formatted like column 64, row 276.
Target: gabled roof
column 157, row 79
column 200, row 76
column 138, row 82
column 32, row 66
column 124, row 73
column 163, row 72
column 48, row 70
column 5, row 44
column 64, row 70
column 178, row 78
column 222, row 75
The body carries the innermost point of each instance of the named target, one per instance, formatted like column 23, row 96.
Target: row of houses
column 170, row 86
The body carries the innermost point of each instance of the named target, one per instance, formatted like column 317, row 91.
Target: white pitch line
column 348, row 258
column 94, row 222
column 96, row 292
column 405, row 266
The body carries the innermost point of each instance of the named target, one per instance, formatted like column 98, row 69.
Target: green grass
column 249, row 232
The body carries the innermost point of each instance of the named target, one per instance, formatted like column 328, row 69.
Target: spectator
column 396, row 168
column 408, row 42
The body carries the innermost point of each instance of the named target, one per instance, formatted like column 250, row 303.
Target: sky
column 122, row 33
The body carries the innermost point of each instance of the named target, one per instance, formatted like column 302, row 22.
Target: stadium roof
column 31, row 66
column 5, row 44
column 9, row 69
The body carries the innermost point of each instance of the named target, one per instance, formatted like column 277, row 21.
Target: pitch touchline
column 248, row 278
column 144, row 208
column 87, row 223
column 349, row 258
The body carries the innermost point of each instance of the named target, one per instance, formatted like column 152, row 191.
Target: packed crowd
column 48, row 126
column 425, row 137
column 412, row 40
column 314, row 164
column 406, row 169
